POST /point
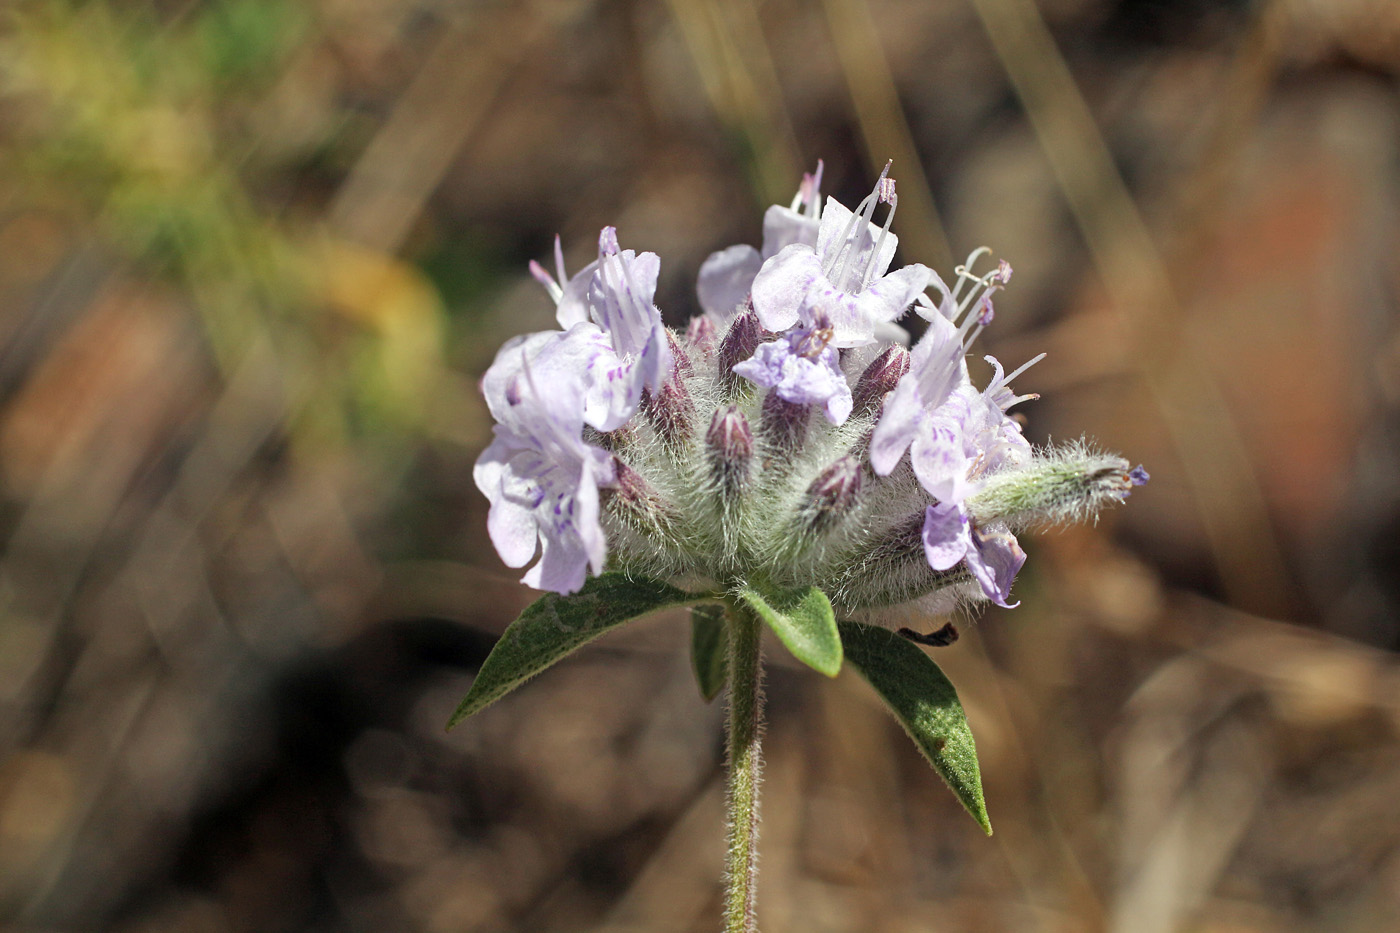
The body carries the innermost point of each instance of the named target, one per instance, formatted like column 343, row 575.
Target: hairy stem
column 745, row 768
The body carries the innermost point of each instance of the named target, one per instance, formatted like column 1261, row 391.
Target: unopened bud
column 879, row 379
column 784, row 425
column 700, row 333
column 669, row 411
column 637, row 501
column 680, row 359
column 833, row 494
column 730, row 443
column 739, row 343
column 1070, row 486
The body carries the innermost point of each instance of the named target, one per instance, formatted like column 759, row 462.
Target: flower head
column 700, row 459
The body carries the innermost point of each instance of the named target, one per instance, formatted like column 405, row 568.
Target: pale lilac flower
column 541, row 477
column 725, row 279
column 992, row 557
column 951, row 430
column 614, row 329
column 843, row 276
column 936, row 368
column 726, row 276
column 803, row 368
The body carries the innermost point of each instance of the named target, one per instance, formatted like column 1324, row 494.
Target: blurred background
column 254, row 255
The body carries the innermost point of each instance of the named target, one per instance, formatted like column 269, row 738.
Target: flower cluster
column 788, row 436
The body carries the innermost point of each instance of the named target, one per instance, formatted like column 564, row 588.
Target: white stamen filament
column 1022, row 368
column 963, row 272
column 559, row 260
column 863, row 212
column 884, row 232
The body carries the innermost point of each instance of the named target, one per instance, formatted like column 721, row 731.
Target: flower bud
column 739, row 343
column 879, row 379
column 637, row 501
column 1069, row 486
column 783, row 425
column 833, row 494
column 700, row 332
column 680, row 360
column 730, row 443
column 669, row 411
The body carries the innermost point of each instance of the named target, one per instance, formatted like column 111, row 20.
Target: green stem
column 745, row 768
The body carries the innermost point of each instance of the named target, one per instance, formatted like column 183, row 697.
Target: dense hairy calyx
column 729, row 507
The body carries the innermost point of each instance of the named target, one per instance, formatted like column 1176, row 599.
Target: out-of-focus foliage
column 255, row 253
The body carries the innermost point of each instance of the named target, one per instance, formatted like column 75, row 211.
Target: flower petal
column 898, row 423
column 946, row 534
column 781, row 286
column 889, row 297
column 994, row 559
column 725, row 279
column 783, row 226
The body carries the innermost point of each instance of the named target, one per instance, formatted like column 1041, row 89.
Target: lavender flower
column 541, row 477
column 993, row 557
column 843, row 276
column 614, row 328
column 803, row 368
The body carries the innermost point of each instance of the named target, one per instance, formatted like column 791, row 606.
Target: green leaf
column 802, row 619
column 926, row 705
column 709, row 649
column 554, row 625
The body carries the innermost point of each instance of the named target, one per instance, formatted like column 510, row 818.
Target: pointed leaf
column 709, row 649
column 803, row 621
column 926, row 705
column 553, row 626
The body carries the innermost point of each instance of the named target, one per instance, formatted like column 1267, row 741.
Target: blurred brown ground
column 255, row 253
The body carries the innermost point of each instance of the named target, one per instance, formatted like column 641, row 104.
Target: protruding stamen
column 880, row 379
column 850, row 240
column 962, row 273
column 607, row 242
column 559, row 259
column 886, row 189
column 813, row 193
column 1023, row 367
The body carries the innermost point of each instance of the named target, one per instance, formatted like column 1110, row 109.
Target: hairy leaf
column 709, row 649
column 803, row 621
column 553, row 626
column 926, row 705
